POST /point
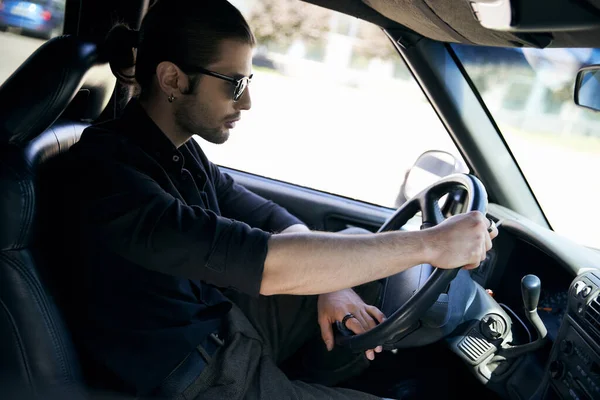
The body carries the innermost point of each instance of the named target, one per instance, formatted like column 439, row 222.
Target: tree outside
column 278, row 23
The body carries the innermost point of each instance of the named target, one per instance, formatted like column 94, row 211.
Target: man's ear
column 170, row 79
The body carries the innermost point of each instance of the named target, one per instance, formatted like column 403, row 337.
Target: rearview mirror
column 587, row 88
column 430, row 167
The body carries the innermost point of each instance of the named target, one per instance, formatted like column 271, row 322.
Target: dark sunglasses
column 240, row 84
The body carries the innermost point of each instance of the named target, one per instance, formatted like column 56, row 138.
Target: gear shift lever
column 531, row 287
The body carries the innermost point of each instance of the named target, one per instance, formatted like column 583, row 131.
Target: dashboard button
column 578, row 287
column 566, row 346
column 573, row 394
column 586, row 291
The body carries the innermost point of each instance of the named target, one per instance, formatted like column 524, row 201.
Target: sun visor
column 536, row 15
column 458, row 21
column 449, row 21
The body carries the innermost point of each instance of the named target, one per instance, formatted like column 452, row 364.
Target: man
column 164, row 233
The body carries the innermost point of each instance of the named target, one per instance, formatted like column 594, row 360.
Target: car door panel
column 319, row 210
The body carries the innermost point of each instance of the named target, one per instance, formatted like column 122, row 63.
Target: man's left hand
column 334, row 306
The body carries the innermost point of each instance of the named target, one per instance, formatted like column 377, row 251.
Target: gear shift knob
column 531, row 287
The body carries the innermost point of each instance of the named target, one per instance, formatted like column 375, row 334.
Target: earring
column 171, row 98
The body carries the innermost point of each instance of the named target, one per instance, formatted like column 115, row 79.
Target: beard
column 189, row 117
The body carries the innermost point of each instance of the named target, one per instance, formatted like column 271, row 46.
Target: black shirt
column 159, row 228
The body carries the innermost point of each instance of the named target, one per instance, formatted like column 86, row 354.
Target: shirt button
column 176, row 158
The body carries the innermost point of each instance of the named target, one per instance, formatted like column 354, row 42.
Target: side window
column 334, row 106
column 25, row 26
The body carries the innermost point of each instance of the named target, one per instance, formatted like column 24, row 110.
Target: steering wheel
column 405, row 319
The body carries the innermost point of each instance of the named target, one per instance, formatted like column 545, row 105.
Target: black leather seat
column 68, row 78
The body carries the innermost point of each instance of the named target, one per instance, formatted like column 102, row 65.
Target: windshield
column 529, row 93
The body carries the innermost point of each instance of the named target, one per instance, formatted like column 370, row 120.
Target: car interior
column 524, row 325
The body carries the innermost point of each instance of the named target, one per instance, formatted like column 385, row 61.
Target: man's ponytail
column 121, row 47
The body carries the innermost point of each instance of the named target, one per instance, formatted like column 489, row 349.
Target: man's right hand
column 318, row 262
column 460, row 241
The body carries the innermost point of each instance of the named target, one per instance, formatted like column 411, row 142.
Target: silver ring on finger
column 346, row 318
column 491, row 227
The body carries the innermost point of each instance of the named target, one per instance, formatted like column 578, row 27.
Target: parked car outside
column 39, row 18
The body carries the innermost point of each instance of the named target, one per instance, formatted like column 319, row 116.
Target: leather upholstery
column 37, row 356
column 36, row 348
column 38, row 92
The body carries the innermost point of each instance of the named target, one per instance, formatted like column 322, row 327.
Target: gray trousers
column 262, row 333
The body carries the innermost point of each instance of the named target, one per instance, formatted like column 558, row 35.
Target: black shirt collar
column 142, row 130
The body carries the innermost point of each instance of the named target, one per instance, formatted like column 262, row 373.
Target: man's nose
column 245, row 102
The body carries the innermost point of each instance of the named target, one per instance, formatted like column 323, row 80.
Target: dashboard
column 552, row 309
column 574, row 367
column 568, row 367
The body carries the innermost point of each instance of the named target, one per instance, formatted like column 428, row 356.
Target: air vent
column 592, row 314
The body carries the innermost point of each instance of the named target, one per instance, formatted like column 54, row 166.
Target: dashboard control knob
column 493, row 326
column 566, row 346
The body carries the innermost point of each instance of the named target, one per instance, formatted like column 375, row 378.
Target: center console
column 573, row 371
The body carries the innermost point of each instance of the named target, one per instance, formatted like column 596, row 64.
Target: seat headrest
column 38, row 92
